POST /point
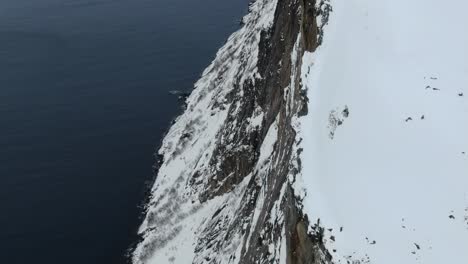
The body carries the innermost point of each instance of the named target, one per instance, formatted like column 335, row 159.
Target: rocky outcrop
column 223, row 192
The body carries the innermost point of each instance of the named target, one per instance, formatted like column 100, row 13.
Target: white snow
column 380, row 177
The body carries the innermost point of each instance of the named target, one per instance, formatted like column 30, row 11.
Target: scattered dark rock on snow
column 417, row 246
column 423, row 117
column 341, row 229
column 186, row 136
column 336, row 119
column 435, row 89
column 434, row 78
column 373, row 242
column 346, row 112
column 428, row 87
column 408, row 119
column 460, row 94
column 452, row 217
column 466, row 216
column 350, row 259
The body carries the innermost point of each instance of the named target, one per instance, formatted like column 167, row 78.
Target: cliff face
column 381, row 152
column 223, row 192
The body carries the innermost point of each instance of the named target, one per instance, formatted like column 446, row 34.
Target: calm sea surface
column 84, row 103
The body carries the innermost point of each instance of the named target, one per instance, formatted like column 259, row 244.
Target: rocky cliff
column 371, row 170
column 224, row 188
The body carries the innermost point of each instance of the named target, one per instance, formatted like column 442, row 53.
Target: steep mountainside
column 223, row 190
column 375, row 156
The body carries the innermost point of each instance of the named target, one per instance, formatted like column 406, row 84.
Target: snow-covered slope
column 389, row 175
column 223, row 189
column 321, row 137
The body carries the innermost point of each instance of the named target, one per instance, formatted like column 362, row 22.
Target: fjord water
column 84, row 102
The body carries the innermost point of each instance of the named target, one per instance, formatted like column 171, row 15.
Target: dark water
column 83, row 105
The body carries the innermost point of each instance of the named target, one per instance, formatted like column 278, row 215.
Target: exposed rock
column 336, row 118
column 224, row 191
